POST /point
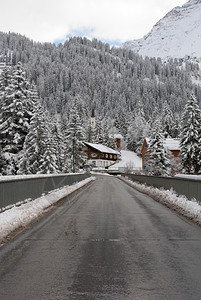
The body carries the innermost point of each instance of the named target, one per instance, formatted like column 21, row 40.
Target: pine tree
column 98, row 130
column 15, row 116
column 34, row 145
column 168, row 123
column 137, row 130
column 73, row 156
column 38, row 155
column 48, row 163
column 2, row 162
column 58, row 145
column 157, row 157
column 5, row 80
column 191, row 137
column 120, row 122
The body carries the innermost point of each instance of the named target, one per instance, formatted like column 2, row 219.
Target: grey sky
column 112, row 20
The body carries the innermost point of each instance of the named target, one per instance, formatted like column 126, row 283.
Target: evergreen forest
column 48, row 91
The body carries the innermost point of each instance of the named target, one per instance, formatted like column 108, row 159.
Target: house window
column 106, row 155
column 115, row 157
column 111, row 156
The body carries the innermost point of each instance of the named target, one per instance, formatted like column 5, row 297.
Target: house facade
column 100, row 155
column 173, row 145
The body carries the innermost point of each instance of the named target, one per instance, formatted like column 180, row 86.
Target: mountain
column 177, row 35
column 111, row 80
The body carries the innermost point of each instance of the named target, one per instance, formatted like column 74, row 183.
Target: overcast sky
column 108, row 20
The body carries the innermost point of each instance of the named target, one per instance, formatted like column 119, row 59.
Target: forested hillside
column 106, row 78
column 48, row 92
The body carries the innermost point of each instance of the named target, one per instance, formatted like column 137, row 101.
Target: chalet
column 173, row 145
column 100, row 155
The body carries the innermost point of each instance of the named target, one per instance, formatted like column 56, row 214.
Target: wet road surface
column 108, row 242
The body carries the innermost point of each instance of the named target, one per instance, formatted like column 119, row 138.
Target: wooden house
column 100, row 155
column 173, row 145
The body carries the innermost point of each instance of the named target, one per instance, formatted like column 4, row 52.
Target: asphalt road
column 108, row 242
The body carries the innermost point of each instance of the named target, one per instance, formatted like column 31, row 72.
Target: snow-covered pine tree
column 38, row 155
column 157, row 157
column 120, row 122
column 48, row 163
column 190, row 135
column 34, row 145
column 155, row 117
column 2, row 162
column 58, row 144
column 108, row 136
column 137, row 130
column 5, row 80
column 131, row 140
column 168, row 123
column 74, row 136
column 99, row 135
column 15, row 115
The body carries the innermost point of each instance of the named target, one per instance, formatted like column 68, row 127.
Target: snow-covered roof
column 172, row 144
column 128, row 159
column 169, row 143
column 102, row 148
column 116, row 136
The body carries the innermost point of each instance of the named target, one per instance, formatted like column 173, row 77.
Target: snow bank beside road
column 16, row 217
column 188, row 208
column 185, row 176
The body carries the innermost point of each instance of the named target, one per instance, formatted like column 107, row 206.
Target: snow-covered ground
column 20, row 217
column 129, row 160
column 189, row 208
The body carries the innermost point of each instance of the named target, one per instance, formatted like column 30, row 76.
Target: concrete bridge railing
column 191, row 188
column 17, row 189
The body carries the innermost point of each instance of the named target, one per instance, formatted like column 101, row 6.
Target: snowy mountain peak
column 177, row 35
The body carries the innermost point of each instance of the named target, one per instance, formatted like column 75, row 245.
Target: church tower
column 93, row 121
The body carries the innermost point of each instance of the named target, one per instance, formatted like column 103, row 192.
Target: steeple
column 93, row 121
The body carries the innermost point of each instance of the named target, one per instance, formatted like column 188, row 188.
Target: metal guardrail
column 191, row 188
column 17, row 190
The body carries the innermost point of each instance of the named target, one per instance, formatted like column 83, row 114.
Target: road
column 108, row 242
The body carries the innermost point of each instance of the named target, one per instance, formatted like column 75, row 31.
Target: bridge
column 107, row 241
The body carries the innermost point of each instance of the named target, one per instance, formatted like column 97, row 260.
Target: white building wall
column 100, row 162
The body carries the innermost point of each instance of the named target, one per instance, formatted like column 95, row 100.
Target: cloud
column 50, row 20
